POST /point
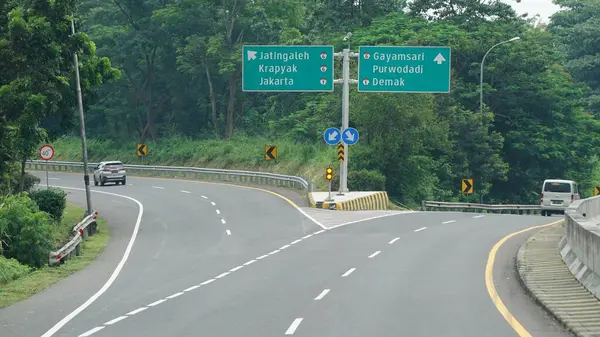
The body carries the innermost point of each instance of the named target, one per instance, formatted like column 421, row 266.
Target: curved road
column 218, row 260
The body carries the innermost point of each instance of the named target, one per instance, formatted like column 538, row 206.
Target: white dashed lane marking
column 478, row 216
column 228, row 232
column 136, row 311
column 223, row 221
column 175, row 295
column 213, row 203
column 374, row 254
column 222, row 275
column 153, row 304
column 118, row 319
column 218, row 212
column 182, row 191
column 450, row 221
column 348, row 272
column 420, row 229
column 393, row 240
column 158, row 187
column 322, row 294
column 204, row 197
column 92, row 331
column 294, row 326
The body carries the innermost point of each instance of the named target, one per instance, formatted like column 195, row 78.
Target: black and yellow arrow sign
column 142, row 150
column 596, row 190
column 340, row 152
column 270, row 152
column 467, row 186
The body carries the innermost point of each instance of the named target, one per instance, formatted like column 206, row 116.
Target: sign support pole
column 47, row 183
column 329, row 197
column 346, row 54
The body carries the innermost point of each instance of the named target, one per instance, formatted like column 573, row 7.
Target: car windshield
column 558, row 187
column 113, row 165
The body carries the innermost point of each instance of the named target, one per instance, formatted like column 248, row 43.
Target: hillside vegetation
column 168, row 73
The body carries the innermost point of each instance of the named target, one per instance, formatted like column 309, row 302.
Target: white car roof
column 558, row 181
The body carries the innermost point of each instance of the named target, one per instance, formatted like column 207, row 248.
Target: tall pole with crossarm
column 481, row 72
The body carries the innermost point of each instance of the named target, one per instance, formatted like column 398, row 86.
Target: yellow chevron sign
column 467, row 186
column 340, row 152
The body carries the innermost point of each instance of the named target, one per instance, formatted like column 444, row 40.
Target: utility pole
column 86, row 177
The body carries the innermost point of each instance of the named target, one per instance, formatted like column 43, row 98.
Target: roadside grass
column 38, row 280
column 244, row 153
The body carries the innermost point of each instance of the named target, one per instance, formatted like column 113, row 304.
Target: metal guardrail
column 472, row 207
column 86, row 227
column 261, row 178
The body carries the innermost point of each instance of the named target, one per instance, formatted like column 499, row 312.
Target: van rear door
column 557, row 194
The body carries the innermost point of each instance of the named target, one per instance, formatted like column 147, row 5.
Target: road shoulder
column 545, row 276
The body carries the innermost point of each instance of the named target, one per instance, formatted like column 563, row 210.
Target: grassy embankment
column 26, row 283
column 306, row 160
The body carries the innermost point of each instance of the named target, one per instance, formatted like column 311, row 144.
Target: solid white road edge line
column 115, row 273
column 236, row 268
column 293, row 326
column 91, row 332
column 322, row 294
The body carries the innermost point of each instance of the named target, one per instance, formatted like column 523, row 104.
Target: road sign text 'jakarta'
column 287, row 68
column 415, row 69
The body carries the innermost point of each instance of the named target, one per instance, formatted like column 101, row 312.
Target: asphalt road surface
column 216, row 260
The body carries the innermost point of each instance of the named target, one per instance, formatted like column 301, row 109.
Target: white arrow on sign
column 439, row 59
column 350, row 136
column 251, row 55
column 332, row 136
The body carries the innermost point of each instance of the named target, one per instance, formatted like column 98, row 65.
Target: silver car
column 110, row 171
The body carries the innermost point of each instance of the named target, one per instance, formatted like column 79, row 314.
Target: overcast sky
column 544, row 8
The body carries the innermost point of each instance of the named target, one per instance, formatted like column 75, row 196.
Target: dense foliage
column 25, row 231
column 52, row 201
column 181, row 70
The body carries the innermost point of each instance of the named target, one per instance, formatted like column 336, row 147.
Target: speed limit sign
column 46, row 152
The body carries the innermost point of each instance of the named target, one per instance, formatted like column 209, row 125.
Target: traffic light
column 329, row 173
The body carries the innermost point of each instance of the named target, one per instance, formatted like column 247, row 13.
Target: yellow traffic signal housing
column 329, row 173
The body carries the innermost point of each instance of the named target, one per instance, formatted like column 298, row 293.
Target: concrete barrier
column 580, row 247
column 375, row 201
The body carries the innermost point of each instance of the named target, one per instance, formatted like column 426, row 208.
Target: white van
column 557, row 195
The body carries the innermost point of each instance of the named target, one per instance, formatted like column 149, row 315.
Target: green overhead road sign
column 404, row 69
column 287, row 68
